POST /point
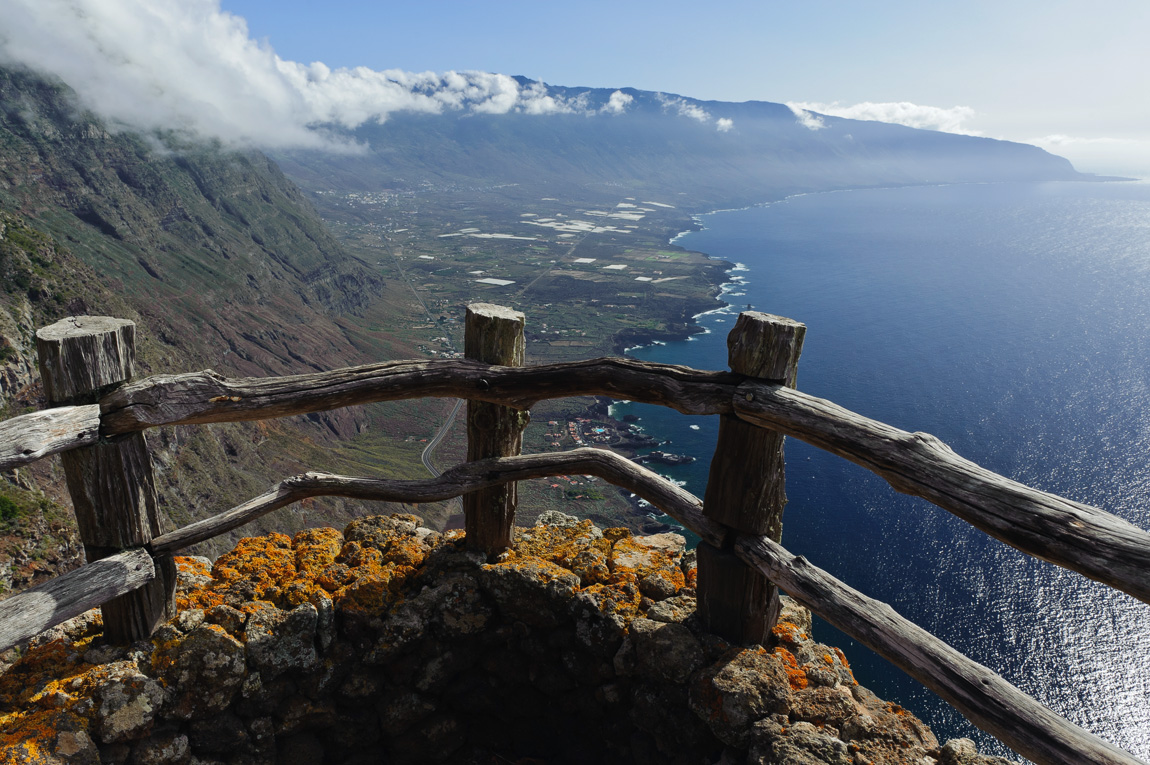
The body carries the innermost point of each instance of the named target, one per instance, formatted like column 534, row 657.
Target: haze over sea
column 1011, row 321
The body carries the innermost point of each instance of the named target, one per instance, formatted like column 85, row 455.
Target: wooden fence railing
column 86, row 365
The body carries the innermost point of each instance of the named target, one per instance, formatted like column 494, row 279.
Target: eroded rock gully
column 389, row 643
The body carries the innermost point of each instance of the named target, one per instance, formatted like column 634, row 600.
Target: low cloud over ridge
column 899, row 113
column 188, row 65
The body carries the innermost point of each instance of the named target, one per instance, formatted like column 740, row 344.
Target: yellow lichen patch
column 672, row 575
column 846, row 664
column 315, row 550
column 372, row 592
column 335, row 576
column 795, row 676
column 405, row 552
column 202, row 598
column 192, row 567
column 589, row 563
column 632, row 561
column 554, row 543
column 616, row 534
column 541, row 569
column 43, row 669
column 164, row 652
column 266, row 562
column 788, row 632
column 620, row 598
column 38, row 696
column 40, row 736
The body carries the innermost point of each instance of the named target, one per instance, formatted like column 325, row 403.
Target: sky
column 1072, row 76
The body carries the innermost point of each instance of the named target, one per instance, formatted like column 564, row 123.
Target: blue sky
column 1071, row 76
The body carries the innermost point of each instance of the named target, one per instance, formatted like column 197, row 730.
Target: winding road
column 439, row 435
column 434, row 442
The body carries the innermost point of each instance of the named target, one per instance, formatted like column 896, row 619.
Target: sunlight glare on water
column 1013, row 322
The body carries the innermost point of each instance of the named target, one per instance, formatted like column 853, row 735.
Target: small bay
column 1013, row 322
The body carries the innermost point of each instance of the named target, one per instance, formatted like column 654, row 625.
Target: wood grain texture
column 493, row 335
column 984, row 698
column 44, row 606
column 200, row 397
column 766, row 346
column 746, row 486
column 458, row 480
column 1070, row 534
column 735, row 601
column 32, row 437
column 81, row 356
column 111, row 484
column 113, row 492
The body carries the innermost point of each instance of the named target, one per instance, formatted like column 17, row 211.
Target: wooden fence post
column 111, row 483
column 493, row 335
column 745, row 487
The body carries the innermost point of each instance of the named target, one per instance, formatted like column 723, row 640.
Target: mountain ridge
column 718, row 154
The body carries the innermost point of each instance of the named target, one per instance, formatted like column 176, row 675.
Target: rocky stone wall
column 391, row 643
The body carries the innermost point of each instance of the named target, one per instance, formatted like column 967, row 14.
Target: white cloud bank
column 618, row 102
column 899, row 113
column 1102, row 156
column 188, row 65
column 806, row 119
column 685, row 108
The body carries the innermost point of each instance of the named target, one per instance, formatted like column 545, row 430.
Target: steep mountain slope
column 714, row 153
column 217, row 240
column 218, row 258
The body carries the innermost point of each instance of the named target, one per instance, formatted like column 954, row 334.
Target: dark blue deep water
column 1013, row 322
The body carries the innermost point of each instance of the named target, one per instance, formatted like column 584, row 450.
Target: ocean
column 1013, row 322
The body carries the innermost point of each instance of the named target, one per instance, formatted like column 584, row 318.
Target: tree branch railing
column 44, row 606
column 1070, row 534
column 455, row 482
column 31, row 437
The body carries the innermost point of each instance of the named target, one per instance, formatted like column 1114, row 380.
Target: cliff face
column 392, row 643
column 220, row 254
column 217, row 257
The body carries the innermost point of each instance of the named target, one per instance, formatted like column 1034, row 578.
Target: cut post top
column 82, row 355
column 766, row 346
column 496, row 312
column 78, row 326
column 494, row 335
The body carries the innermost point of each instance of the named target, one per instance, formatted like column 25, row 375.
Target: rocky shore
column 391, row 643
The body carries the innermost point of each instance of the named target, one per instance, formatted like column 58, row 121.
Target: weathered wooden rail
column 86, row 363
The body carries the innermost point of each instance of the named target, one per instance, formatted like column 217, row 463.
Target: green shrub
column 8, row 509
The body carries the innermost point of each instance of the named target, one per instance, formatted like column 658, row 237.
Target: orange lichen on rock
column 788, row 633
column 327, row 635
column 846, row 664
column 795, row 675
column 632, row 560
column 602, row 562
column 360, row 575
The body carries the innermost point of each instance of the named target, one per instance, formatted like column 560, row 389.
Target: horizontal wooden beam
column 984, row 698
column 463, row 478
column 46, row 605
column 1070, row 534
column 31, row 437
column 199, row 397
